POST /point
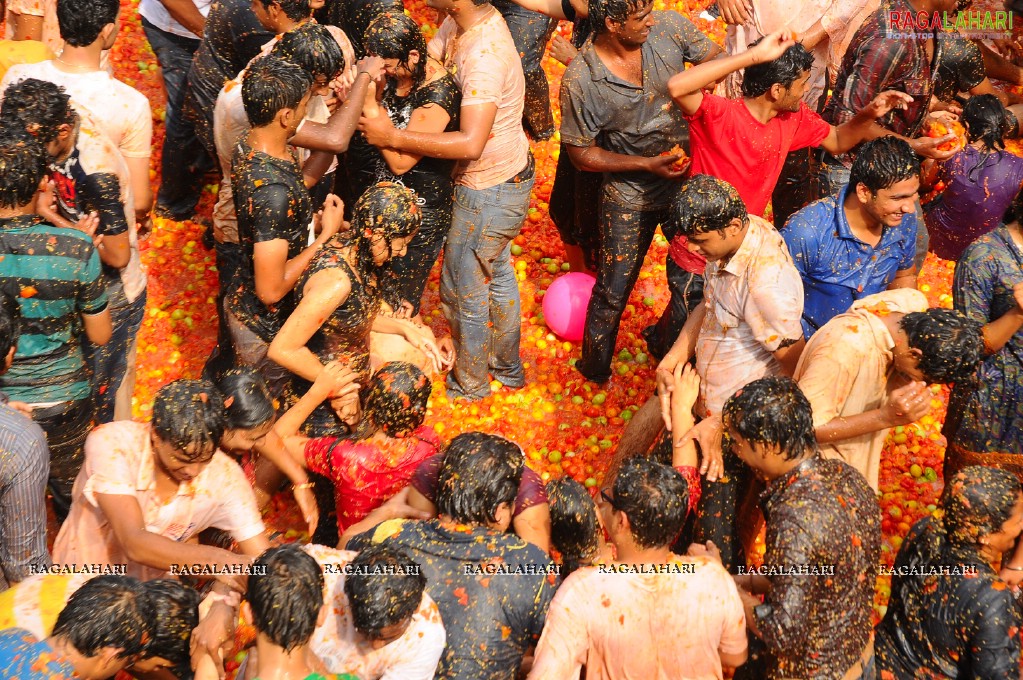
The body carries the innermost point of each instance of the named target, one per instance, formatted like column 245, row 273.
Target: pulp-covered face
column 178, row 464
column 321, row 86
column 907, row 362
column 245, row 440
column 636, row 28
column 889, row 206
column 718, row 244
column 1004, row 539
column 793, row 94
column 383, row 250
column 263, row 16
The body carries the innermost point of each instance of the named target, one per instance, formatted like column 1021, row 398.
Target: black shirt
column 961, row 67
column 272, row 202
column 354, row 17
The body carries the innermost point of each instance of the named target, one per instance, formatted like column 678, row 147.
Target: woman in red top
column 366, row 470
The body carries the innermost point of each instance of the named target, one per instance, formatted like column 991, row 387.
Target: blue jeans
column 185, row 161
column 478, row 290
column 110, row 361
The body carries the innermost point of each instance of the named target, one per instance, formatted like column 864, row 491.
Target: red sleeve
column 532, row 492
column 710, row 109
column 320, row 451
column 691, row 474
column 811, row 129
column 426, row 477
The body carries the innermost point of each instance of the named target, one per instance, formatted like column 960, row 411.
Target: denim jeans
column 185, row 160
column 831, row 174
column 625, row 236
column 478, row 290
column 686, row 293
column 413, row 268
column 530, row 32
column 230, row 257
column 109, row 362
column 66, row 426
column 792, row 191
column 250, row 350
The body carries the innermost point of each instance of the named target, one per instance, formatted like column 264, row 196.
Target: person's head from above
column 10, row 322
column 646, row 506
column 938, row 346
column 455, row 7
column 1014, row 213
column 575, row 526
column 983, row 507
column 82, row 22
column 44, row 111
column 710, row 213
column 276, row 15
column 22, row 168
column 396, row 398
column 188, row 425
column 250, row 409
column 384, row 590
column 628, row 22
column 275, row 94
column 884, row 180
column 768, row 424
column 986, row 121
column 479, row 480
column 176, row 609
column 285, row 596
column 105, row 626
column 384, row 220
column 397, row 39
column 312, row 47
column 781, row 82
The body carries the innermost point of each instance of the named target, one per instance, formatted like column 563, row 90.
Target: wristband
column 1012, row 568
column 232, row 599
column 303, row 485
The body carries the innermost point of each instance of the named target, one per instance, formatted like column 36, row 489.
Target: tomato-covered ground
column 566, row 425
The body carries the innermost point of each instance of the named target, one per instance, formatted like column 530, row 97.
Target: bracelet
column 303, row 485
column 1012, row 568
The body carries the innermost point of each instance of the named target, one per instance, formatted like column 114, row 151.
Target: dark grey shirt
column 24, row 467
column 599, row 107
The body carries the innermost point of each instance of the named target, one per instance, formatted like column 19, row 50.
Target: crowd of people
column 786, row 172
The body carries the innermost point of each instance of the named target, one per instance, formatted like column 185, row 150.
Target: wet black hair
column 108, row 611
column 251, row 405
column 618, row 11
column 951, row 344
column 703, row 204
column 385, row 588
column 286, row 594
column 176, row 609
column 785, row 70
column 23, row 163
column 81, row 21
column 574, row 525
column 37, row 106
column 10, row 318
column 312, row 47
column 190, row 414
column 985, row 120
column 655, row 498
column 296, row 10
column 396, row 398
column 977, row 501
column 271, row 84
column 772, row 411
column 386, row 210
column 1014, row 213
column 393, row 35
column 480, row 472
column 882, row 162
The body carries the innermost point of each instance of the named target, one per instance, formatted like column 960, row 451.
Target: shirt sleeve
column 774, row 309
column 102, row 193
column 531, row 491
column 483, row 75
column 237, row 514
column 874, row 65
column 972, row 284
column 695, row 46
column 92, row 295
column 23, row 512
column 811, row 129
column 995, row 645
column 971, row 68
column 426, row 477
column 138, row 139
column 733, row 635
column 435, row 48
column 271, row 212
column 711, row 108
column 784, row 627
column 909, row 226
column 112, row 458
column 582, row 116
column 318, row 453
column 561, row 652
column 827, row 379
column 801, row 240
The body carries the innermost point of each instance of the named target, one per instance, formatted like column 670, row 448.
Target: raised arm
column 336, row 134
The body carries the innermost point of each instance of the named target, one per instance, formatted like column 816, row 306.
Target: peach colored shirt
column 649, row 626
column 845, row 370
column 754, row 303
column 413, row 656
column 486, row 65
column 839, row 18
column 119, row 461
column 121, row 111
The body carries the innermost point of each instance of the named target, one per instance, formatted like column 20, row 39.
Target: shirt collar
column 776, row 486
column 747, row 250
column 599, row 70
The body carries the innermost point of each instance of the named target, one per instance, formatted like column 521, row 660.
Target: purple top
column 974, row 201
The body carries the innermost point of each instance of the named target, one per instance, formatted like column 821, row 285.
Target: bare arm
column 1001, row 330
column 904, row 278
column 861, row 126
column 906, row 405
column 334, row 380
column 98, row 327
column 336, row 134
column 788, row 354
column 680, row 352
column 187, row 14
column 595, row 159
column 465, row 144
column 533, row 525
column 27, row 27
column 141, row 187
column 429, row 119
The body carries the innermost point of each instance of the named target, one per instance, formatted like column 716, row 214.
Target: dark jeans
column 686, row 293
column 413, row 268
column 721, row 510
column 530, row 31
column 625, row 236
column 230, row 258
column 793, row 190
column 66, row 426
column 575, row 198
column 110, row 361
column 185, row 161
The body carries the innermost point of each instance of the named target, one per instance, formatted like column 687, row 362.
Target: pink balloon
column 565, row 303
